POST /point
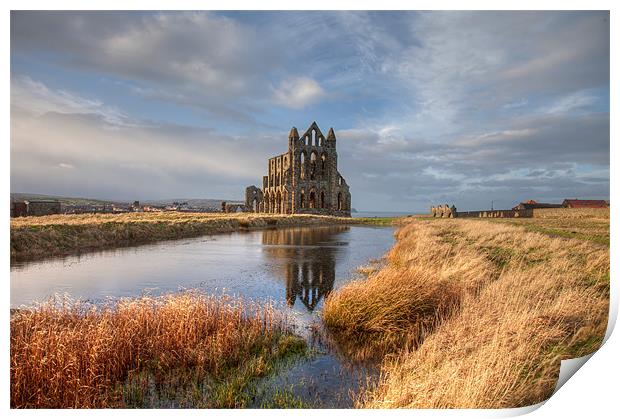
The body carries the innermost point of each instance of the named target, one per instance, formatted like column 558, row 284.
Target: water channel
column 295, row 268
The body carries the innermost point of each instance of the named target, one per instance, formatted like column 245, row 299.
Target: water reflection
column 310, row 261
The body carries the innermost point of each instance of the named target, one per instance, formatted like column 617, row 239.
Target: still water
column 294, row 267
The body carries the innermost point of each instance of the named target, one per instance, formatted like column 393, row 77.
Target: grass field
column 181, row 350
column 478, row 313
column 58, row 235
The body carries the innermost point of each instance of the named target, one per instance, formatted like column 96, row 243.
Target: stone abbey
column 304, row 180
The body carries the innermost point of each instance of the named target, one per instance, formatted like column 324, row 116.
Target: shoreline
column 40, row 238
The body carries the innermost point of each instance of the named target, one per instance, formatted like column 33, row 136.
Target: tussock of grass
column 481, row 320
column 57, row 235
column 424, row 280
column 71, row 354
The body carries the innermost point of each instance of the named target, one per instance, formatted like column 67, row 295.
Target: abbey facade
column 304, row 180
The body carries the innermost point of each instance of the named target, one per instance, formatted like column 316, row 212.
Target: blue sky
column 428, row 107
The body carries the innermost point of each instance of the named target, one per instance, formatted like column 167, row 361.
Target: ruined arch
column 313, row 164
column 266, row 199
column 323, row 162
column 339, row 201
column 312, row 199
column 279, row 203
column 322, row 202
column 302, row 199
column 302, row 164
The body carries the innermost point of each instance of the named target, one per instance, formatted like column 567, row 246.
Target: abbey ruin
column 304, row 180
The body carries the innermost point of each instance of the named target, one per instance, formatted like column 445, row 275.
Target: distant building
column 135, row 207
column 531, row 204
column 585, row 203
column 43, row 207
column 19, row 209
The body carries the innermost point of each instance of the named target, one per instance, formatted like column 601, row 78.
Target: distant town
column 23, row 205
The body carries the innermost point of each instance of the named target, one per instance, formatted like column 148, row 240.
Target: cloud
column 463, row 107
column 298, row 93
column 39, row 99
column 574, row 101
column 121, row 161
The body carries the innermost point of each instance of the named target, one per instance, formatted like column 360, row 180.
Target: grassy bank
column 58, row 235
column 185, row 350
column 473, row 313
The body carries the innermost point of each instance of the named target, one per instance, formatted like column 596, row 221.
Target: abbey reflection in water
column 310, row 261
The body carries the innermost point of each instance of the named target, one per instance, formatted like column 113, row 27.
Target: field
column 478, row 313
column 461, row 313
column 182, row 350
column 58, row 235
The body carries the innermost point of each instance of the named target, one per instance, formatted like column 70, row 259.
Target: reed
column 70, row 354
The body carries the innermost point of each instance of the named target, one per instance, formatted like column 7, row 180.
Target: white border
column 593, row 390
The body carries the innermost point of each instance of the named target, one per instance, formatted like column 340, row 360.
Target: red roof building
column 585, row 203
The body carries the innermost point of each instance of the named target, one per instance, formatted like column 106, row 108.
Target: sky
column 428, row 108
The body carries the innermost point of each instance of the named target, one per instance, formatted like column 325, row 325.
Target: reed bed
column 70, row 354
column 474, row 314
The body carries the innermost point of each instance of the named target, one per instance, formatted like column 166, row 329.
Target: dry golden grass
column 57, row 235
column 70, row 354
column 474, row 314
column 423, row 281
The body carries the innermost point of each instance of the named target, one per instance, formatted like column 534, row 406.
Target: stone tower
column 304, row 180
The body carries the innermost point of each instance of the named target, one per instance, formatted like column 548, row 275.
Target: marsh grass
column 473, row 314
column 188, row 349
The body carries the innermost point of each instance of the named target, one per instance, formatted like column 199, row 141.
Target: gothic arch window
column 313, row 165
column 312, row 199
column 314, row 139
column 323, row 162
column 322, row 200
column 302, row 160
column 339, row 201
column 279, row 204
column 302, row 199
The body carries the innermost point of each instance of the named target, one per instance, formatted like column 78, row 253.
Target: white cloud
column 38, row 99
column 574, row 101
column 298, row 93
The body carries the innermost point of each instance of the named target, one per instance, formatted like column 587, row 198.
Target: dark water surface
column 294, row 267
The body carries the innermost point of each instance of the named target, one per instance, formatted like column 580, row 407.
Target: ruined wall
column 254, row 199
